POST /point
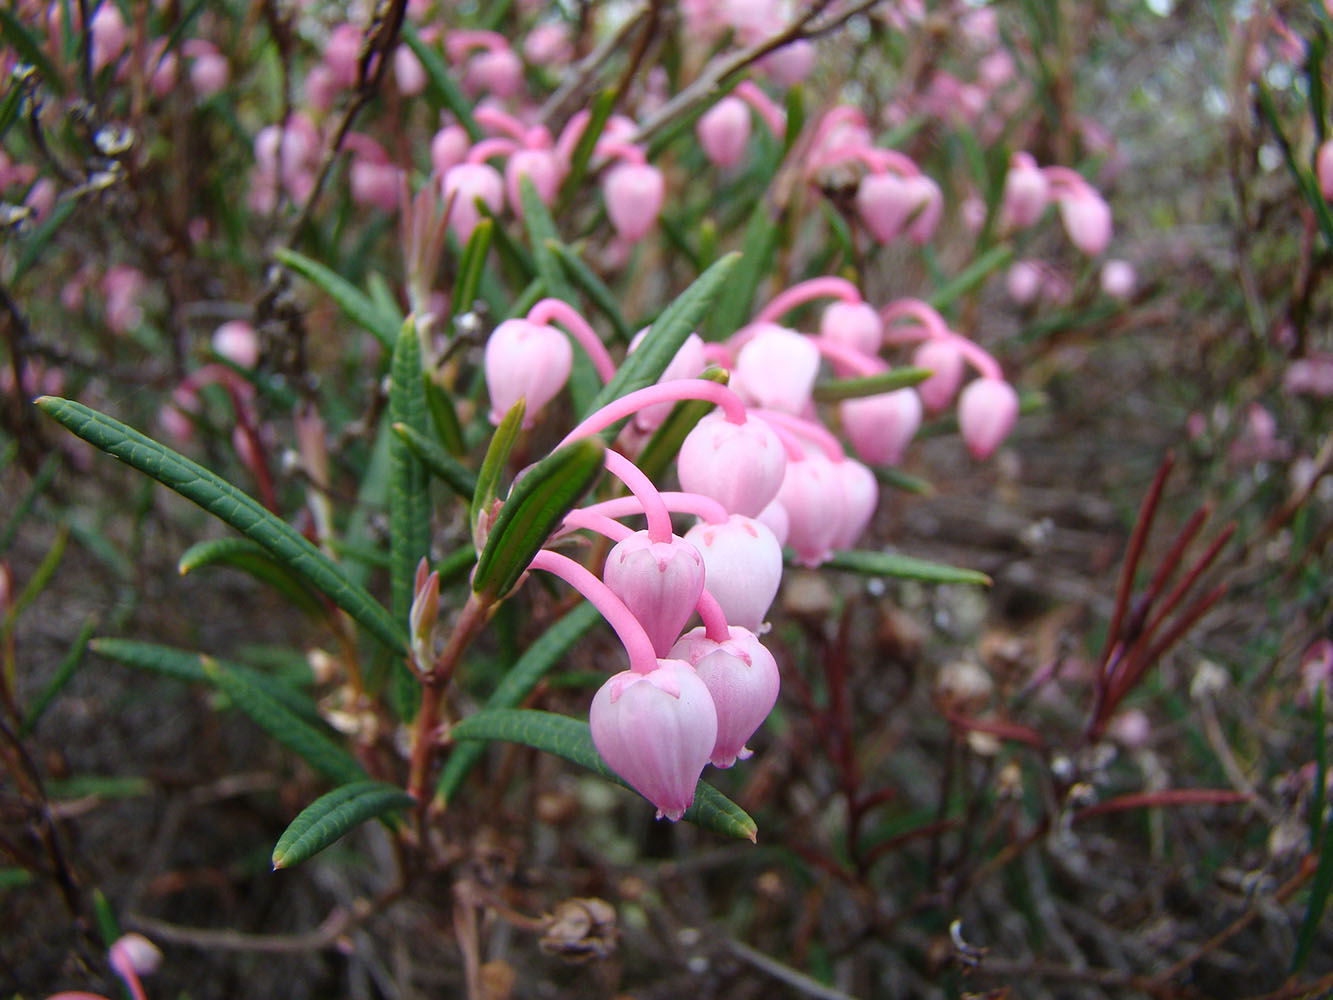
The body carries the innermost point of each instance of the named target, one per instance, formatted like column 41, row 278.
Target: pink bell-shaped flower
column 465, row 184
column 860, row 497
column 1087, row 220
column 884, row 203
column 657, row 731
column 945, row 362
column 1118, row 279
column 237, row 342
column 408, row 72
column 342, row 52
column 927, row 204
column 854, row 324
column 743, row 567
column 987, row 410
column 776, row 369
column 1026, row 192
column 659, row 582
column 881, row 427
column 738, row 465
column 774, row 518
column 634, row 194
column 542, row 167
column 813, row 498
column 743, row 679
column 1323, row 164
column 109, row 35
column 448, row 148
column 790, row 64
column 525, row 360
column 724, row 132
column 496, row 71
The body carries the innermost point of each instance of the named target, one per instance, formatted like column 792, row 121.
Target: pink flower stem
column 626, row 151
column 678, row 503
column 659, row 518
column 848, row 358
column 714, row 618
column 664, row 392
column 487, row 148
column 815, row 288
column 1071, row 180
column 764, row 107
column 585, row 518
column 842, row 114
column 500, row 122
column 985, row 364
column 915, row 309
column 458, row 43
column 565, row 314
column 642, row 659
column 571, row 133
column 880, row 161
column 120, row 964
column 717, row 354
column 815, row 433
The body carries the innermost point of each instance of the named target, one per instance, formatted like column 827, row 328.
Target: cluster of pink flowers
column 760, row 472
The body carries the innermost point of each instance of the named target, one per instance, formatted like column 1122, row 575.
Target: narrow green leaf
column 602, row 296
column 252, row 558
column 107, row 924
column 457, row 476
column 493, row 465
column 572, row 740
column 899, row 480
column 440, row 86
column 409, row 492
column 870, row 385
column 902, row 567
column 9, row 109
column 1314, row 910
column 225, row 502
column 534, row 509
column 68, row 666
column 20, row 511
column 600, row 113
column 663, row 446
column 517, row 683
column 667, row 334
column 41, row 576
column 13, row 878
column 359, row 307
column 443, row 417
column 100, row 786
column 470, row 266
column 280, row 722
column 334, row 815
column 532, row 293
column 795, row 106
column 733, row 307
column 28, row 49
column 187, row 666
column 382, row 296
column 973, row 275
column 31, row 248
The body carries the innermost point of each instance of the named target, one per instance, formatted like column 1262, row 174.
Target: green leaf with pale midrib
column 664, row 338
column 572, row 739
column 280, row 722
column 534, row 509
column 252, row 558
column 359, row 307
column 409, row 496
column 493, row 464
column 230, row 505
column 332, row 816
column 870, row 385
column 517, row 683
column 902, row 567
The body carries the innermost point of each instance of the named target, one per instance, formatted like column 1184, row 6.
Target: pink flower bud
column 41, row 198
column 494, row 71
column 884, row 203
column 122, row 286
column 724, row 132
column 881, row 427
column 742, row 567
column 634, row 193
column 1024, row 281
column 945, row 361
column 1087, row 220
column 165, row 68
column 776, row 369
column 1026, row 192
column 659, row 582
column 860, row 498
column 987, row 410
column 236, row 341
column 1118, row 279
column 813, row 498
column 657, row 731
column 109, row 34
column 525, row 360
column 927, row 204
column 539, row 165
column 449, row 148
column 790, row 64
column 548, row 44
column 375, row 185
column 320, row 87
column 855, row 324
column 466, row 183
column 1312, row 376
column 743, row 679
column 135, row 953
column 209, row 73
column 342, row 53
column 1324, row 169
column 738, row 465
column 408, row 72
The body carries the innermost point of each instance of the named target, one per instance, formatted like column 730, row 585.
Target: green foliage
column 334, row 815
column 409, row 496
column 901, row 567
